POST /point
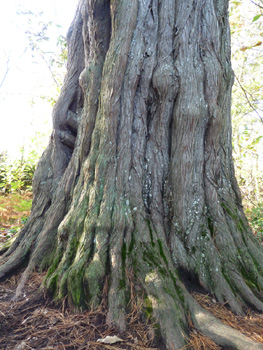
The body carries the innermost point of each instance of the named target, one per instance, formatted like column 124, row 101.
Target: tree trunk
column 138, row 177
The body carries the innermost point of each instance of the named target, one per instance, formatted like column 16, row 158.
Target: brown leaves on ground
column 34, row 322
column 198, row 341
column 251, row 325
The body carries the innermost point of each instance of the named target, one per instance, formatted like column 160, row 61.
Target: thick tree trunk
column 138, row 176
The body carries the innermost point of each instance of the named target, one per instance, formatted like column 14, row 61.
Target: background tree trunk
column 138, row 178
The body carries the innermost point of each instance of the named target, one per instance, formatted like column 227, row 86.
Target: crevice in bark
column 190, row 281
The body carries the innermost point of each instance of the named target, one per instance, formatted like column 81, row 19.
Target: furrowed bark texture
column 138, row 176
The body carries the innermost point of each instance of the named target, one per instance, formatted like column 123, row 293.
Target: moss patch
column 150, row 231
column 55, row 264
column 148, row 308
column 75, row 287
column 52, row 284
column 162, row 252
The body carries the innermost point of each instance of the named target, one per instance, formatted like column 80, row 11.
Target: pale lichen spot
column 151, row 277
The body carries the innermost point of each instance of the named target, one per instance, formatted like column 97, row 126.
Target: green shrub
column 255, row 216
column 16, row 176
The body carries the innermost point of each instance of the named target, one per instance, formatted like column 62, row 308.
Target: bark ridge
column 137, row 185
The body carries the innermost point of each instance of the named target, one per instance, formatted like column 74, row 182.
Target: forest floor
column 34, row 321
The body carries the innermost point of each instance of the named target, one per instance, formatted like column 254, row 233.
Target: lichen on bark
column 138, row 178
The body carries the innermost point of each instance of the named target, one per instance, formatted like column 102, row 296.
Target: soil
column 35, row 321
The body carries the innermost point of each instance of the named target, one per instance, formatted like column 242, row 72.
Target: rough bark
column 138, row 176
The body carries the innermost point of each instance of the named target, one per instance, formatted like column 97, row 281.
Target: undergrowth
column 14, row 211
column 255, row 217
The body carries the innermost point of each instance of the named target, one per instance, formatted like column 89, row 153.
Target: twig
column 261, row 7
column 245, row 93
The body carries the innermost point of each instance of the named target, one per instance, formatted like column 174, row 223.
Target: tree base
column 23, row 323
column 136, row 189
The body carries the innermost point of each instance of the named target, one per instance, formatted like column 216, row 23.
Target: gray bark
column 138, row 177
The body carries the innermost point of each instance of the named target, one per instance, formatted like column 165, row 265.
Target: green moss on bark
column 148, row 308
column 55, row 263
column 52, row 284
column 75, row 288
column 150, row 231
column 162, row 251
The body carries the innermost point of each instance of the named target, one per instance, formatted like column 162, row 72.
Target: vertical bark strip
column 136, row 188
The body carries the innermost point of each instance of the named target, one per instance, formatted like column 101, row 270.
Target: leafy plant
column 23, row 205
column 247, row 112
column 14, row 211
column 255, row 216
column 24, row 218
column 16, row 175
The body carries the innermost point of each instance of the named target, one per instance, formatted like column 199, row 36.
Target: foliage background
column 246, row 20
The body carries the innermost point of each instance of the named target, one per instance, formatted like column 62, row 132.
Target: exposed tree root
column 220, row 333
column 138, row 175
column 250, row 325
column 34, row 322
